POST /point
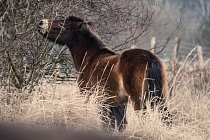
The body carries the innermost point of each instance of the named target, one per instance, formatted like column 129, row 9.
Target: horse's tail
column 157, row 83
column 158, row 89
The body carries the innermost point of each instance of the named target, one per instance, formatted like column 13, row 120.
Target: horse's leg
column 136, row 103
column 108, row 119
column 119, row 113
column 166, row 115
column 139, row 105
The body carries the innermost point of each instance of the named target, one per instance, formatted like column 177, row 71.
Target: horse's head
column 59, row 30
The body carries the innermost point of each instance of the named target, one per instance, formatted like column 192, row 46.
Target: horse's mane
column 90, row 32
column 88, row 29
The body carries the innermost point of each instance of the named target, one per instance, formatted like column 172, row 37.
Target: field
column 54, row 105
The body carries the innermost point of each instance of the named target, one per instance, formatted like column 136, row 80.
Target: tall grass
column 52, row 105
column 61, row 105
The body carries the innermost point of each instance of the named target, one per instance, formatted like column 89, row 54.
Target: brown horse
column 136, row 73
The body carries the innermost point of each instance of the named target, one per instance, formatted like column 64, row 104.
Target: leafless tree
column 25, row 55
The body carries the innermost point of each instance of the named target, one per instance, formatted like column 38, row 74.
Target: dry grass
column 61, row 105
column 52, row 105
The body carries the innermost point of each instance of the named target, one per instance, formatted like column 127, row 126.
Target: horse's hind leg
column 119, row 113
column 166, row 115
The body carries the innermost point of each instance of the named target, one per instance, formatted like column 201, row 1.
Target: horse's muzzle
column 43, row 26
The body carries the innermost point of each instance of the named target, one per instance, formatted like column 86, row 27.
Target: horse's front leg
column 119, row 112
column 111, row 114
column 108, row 119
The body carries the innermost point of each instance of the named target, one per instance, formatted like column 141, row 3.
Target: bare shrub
column 25, row 57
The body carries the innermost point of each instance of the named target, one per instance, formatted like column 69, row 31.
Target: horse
column 135, row 74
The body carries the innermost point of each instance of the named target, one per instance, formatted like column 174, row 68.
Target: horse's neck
column 83, row 47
